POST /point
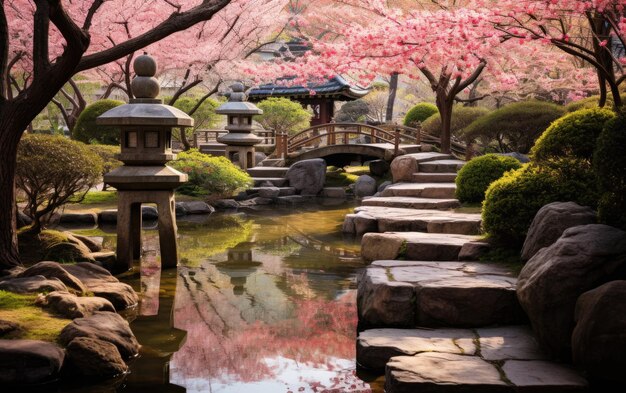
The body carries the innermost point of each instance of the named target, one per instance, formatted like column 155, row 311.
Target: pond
column 263, row 301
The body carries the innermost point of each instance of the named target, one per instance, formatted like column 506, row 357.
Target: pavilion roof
column 337, row 88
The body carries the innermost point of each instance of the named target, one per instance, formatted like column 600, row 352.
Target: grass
column 36, row 323
column 475, row 208
column 344, row 177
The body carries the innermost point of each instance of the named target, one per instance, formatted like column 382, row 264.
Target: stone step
column 263, row 171
column 387, row 219
column 276, row 181
column 282, row 191
column 420, row 177
column 412, row 202
column 421, row 246
column 429, row 156
column 404, row 166
column 217, row 153
column 421, row 190
column 273, row 162
column 408, row 294
column 502, row 359
column 441, row 166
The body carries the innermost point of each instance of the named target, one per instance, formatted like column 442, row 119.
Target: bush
column 476, row 176
column 210, row 176
column 609, row 163
column 462, row 116
column 574, row 135
column 419, row 113
column 352, row 112
column 589, row 103
column 108, row 155
column 515, row 127
column 51, row 170
column 204, row 117
column 512, row 201
column 86, row 130
column 283, row 115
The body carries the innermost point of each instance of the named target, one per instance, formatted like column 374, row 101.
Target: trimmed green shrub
column 352, row 112
column 609, row 163
column 51, row 171
column 574, row 135
column 86, row 130
column 515, row 127
column 476, row 176
column 108, row 155
column 589, row 103
column 213, row 177
column 419, row 113
column 512, row 201
column 462, row 116
column 283, row 115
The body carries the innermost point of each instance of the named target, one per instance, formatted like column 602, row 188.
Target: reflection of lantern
column 239, row 139
column 146, row 137
column 239, row 266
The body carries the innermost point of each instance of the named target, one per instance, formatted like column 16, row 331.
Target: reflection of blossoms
column 222, row 347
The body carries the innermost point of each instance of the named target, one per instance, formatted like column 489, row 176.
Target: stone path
column 419, row 246
column 437, row 294
column 431, row 317
column 387, row 219
column 502, row 359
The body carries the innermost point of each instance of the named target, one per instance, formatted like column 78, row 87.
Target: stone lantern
column 146, row 137
column 239, row 138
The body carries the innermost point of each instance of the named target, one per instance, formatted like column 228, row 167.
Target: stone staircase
column 431, row 317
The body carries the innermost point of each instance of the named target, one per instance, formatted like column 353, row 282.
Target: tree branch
column 176, row 22
column 204, row 98
column 41, row 28
column 4, row 55
column 90, row 14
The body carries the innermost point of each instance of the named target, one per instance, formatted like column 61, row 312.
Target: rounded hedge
column 462, row 116
column 514, row 127
column 86, row 130
column 574, row 135
column 609, row 162
column 210, row 176
column 476, row 176
column 419, row 113
column 512, row 201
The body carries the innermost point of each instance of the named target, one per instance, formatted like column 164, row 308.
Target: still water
column 263, row 302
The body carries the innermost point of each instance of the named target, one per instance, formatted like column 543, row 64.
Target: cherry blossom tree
column 43, row 43
column 592, row 31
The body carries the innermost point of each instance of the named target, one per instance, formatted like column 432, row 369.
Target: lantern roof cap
column 146, row 109
column 237, row 104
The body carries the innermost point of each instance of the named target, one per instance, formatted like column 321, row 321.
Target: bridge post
column 396, row 141
column 331, row 134
column 281, row 144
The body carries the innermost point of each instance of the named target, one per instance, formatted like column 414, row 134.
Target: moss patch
column 36, row 323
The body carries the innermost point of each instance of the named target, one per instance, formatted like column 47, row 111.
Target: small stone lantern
column 146, row 137
column 239, row 138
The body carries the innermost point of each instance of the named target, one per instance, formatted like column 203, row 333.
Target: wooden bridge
column 329, row 139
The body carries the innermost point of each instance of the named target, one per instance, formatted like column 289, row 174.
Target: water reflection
column 263, row 303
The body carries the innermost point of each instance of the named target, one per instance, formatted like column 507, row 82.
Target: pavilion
column 320, row 97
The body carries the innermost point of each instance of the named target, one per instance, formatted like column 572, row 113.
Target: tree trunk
column 10, row 134
column 391, row 100
column 445, row 111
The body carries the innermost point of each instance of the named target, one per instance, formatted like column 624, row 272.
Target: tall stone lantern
column 146, row 137
column 239, row 139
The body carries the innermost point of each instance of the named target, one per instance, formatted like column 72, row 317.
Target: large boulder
column 307, row 176
column 54, row 270
column 379, row 167
column 72, row 306
column 25, row 362
column 99, row 281
column 548, row 286
column 599, row 339
column 364, row 186
column 105, row 326
column 79, row 219
column 92, row 357
column 403, row 168
column 197, row 207
column 34, row 284
column 551, row 221
column 94, row 244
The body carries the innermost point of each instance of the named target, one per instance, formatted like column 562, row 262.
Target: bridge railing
column 338, row 134
column 457, row 148
column 203, row 137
